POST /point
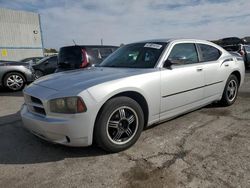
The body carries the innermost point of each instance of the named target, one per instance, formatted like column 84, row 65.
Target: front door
column 182, row 84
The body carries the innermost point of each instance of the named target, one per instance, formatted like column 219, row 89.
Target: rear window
column 97, row 55
column 105, row 52
column 70, row 55
column 233, row 48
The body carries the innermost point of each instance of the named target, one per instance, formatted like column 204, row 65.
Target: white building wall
column 20, row 35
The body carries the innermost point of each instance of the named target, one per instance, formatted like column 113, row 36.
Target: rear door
column 182, row 84
column 215, row 70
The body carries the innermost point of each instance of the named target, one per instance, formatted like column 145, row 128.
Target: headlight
column 67, row 105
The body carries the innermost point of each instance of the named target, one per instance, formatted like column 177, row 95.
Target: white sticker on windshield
column 152, row 45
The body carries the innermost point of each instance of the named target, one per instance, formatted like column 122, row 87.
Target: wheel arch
column 237, row 74
column 138, row 97
column 13, row 71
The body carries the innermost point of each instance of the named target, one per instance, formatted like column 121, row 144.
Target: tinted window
column 184, row 53
column 231, row 40
column 105, row 52
column 53, row 60
column 43, row 60
column 70, row 56
column 233, row 48
column 137, row 55
column 94, row 55
column 209, row 53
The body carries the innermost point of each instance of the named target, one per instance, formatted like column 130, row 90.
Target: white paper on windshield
column 152, row 45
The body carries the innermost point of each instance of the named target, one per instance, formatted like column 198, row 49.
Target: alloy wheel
column 122, row 125
column 14, row 82
column 232, row 90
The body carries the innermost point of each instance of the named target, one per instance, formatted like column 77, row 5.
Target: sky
column 125, row 21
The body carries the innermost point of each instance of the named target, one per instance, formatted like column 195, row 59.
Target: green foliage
column 50, row 50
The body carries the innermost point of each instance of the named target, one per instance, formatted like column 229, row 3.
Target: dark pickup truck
column 242, row 49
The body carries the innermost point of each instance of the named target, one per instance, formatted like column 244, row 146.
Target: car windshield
column 42, row 60
column 137, row 55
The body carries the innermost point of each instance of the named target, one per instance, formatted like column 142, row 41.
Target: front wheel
column 14, row 81
column 230, row 91
column 119, row 124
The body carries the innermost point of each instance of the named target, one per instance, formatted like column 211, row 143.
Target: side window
column 105, row 52
column 209, row 53
column 183, row 53
column 52, row 60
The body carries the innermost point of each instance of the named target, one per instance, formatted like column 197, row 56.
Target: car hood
column 84, row 78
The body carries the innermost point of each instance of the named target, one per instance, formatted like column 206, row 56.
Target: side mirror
column 168, row 64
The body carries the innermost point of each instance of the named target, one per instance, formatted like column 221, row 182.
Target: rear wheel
column 119, row 124
column 230, row 91
column 14, row 81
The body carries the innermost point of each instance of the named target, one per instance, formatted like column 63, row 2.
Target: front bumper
column 29, row 74
column 71, row 131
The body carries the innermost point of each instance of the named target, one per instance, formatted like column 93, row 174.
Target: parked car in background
column 242, row 50
column 76, row 57
column 231, row 40
column 45, row 66
column 138, row 85
column 14, row 75
column 32, row 60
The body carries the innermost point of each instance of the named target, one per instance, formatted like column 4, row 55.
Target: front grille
column 36, row 100
column 34, row 105
column 39, row 110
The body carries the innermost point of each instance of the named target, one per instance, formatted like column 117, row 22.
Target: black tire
column 226, row 99
column 18, row 84
column 38, row 74
column 112, row 109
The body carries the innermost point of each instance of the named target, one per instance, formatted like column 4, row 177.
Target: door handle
column 199, row 69
column 226, row 64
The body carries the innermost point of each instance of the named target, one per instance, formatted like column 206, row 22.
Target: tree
column 50, row 50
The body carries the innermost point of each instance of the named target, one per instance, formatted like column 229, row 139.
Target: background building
column 20, row 35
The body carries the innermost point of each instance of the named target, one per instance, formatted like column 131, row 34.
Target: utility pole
column 101, row 41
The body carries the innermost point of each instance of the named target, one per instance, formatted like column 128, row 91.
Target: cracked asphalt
column 209, row 147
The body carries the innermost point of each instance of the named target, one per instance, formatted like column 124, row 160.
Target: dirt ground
column 209, row 147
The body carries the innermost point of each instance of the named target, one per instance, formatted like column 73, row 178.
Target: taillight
column 85, row 61
column 242, row 52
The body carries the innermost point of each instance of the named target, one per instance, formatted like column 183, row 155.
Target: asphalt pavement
column 209, row 147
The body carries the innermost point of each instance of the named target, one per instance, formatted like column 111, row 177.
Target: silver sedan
column 139, row 85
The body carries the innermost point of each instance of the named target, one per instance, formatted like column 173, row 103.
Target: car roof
column 182, row 40
column 92, row 46
column 167, row 40
column 185, row 40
